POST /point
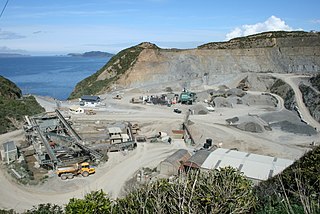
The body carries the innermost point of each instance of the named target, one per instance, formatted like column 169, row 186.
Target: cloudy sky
column 50, row 27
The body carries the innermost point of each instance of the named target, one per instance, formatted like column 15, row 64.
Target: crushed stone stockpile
column 221, row 102
column 288, row 121
column 251, row 127
column 199, row 109
column 250, row 123
column 262, row 99
column 295, row 128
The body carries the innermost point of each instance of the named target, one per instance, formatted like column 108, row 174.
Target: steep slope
column 209, row 64
column 111, row 72
column 13, row 106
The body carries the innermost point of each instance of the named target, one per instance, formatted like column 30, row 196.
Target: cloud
column 316, row 21
column 37, row 32
column 10, row 35
column 271, row 24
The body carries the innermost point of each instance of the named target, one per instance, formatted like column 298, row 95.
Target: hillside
column 13, row 106
column 147, row 66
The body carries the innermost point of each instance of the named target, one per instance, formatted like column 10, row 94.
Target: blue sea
column 54, row 76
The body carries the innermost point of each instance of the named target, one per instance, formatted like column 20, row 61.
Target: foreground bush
column 295, row 190
column 218, row 191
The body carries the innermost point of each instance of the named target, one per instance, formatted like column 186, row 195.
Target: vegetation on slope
column 295, row 190
column 117, row 66
column 261, row 40
column 13, row 106
column 8, row 89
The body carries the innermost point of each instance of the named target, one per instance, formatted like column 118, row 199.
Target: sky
column 47, row 27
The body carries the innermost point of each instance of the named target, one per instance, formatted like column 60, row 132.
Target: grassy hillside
column 117, row 66
column 13, row 106
column 266, row 40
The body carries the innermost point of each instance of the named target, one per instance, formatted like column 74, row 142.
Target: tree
column 45, row 209
column 94, row 202
column 218, row 191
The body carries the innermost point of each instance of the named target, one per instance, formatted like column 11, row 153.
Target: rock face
column 285, row 91
column 214, row 63
column 311, row 98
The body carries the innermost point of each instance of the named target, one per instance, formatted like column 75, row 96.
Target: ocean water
column 52, row 76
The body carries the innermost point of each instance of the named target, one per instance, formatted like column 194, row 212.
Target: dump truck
column 68, row 172
column 90, row 112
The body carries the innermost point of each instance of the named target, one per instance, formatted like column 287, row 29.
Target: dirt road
column 293, row 81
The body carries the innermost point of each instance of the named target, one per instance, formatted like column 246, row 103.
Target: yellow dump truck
column 68, row 172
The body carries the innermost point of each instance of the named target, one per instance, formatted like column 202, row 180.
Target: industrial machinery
column 69, row 172
column 187, row 97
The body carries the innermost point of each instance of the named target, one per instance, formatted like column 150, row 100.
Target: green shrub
column 217, row 191
column 94, row 202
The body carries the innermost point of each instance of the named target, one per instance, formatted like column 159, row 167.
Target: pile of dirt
column 288, row 121
column 261, row 99
column 199, row 109
column 221, row 102
column 235, row 92
column 250, row 123
column 251, row 127
column 295, row 128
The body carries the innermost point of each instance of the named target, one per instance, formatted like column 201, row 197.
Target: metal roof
column 9, row 146
column 90, row 98
column 181, row 154
column 114, row 130
column 198, row 158
column 258, row 167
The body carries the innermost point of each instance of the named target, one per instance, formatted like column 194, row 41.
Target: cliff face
column 220, row 63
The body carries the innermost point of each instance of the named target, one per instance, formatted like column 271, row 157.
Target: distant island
column 13, row 55
column 91, row 54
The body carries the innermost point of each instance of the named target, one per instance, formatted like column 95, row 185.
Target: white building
column 90, row 101
column 255, row 167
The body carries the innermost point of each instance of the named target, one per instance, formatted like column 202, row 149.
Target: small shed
column 88, row 100
column 9, row 152
column 196, row 160
column 172, row 164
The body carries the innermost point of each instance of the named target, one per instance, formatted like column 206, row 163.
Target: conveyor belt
column 78, row 140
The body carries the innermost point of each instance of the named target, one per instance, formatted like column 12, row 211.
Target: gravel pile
column 295, row 128
column 251, row 127
column 235, row 92
column 249, row 123
column 221, row 102
column 288, row 121
column 199, row 109
column 267, row 100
